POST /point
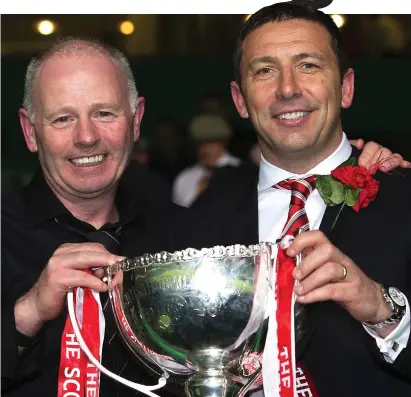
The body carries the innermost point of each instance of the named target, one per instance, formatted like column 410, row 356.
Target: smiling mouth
column 88, row 161
column 292, row 115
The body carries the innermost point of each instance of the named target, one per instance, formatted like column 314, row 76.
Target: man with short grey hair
column 82, row 116
column 71, row 46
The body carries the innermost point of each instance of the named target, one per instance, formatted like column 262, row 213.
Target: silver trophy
column 198, row 317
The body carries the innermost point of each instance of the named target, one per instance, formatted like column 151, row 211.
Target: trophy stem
column 211, row 384
column 210, row 380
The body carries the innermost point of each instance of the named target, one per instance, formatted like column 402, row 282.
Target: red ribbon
column 284, row 315
column 78, row 377
column 292, row 382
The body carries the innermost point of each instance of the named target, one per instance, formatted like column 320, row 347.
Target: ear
column 28, row 130
column 138, row 116
column 238, row 99
column 347, row 89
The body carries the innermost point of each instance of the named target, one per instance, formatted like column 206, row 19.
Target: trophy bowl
column 197, row 317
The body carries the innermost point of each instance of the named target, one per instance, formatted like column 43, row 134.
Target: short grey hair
column 76, row 46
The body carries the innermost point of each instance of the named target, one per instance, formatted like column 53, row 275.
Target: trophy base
column 211, row 385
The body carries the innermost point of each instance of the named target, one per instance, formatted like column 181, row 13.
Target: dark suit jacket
column 342, row 359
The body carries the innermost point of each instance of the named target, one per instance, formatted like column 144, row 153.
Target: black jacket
column 30, row 235
column 343, row 360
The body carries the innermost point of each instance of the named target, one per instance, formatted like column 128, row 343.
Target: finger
column 366, row 158
column 117, row 279
column 358, row 143
column 319, row 295
column 337, row 292
column 305, row 240
column 99, row 273
column 328, row 273
column 84, row 280
column 405, row 164
column 83, row 259
column 80, row 247
column 316, row 259
column 388, row 163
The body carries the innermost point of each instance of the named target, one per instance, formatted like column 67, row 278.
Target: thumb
column 358, row 143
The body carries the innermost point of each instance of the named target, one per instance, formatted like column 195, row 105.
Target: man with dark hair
column 284, row 12
column 291, row 82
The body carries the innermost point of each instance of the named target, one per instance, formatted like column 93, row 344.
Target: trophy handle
column 136, row 386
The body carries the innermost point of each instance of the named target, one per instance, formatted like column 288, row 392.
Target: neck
column 96, row 210
column 209, row 153
column 303, row 161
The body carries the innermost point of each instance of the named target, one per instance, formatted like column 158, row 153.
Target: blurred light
column 127, row 27
column 338, row 19
column 211, row 281
column 46, row 27
column 247, row 17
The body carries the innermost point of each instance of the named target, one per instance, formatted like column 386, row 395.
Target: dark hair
column 286, row 11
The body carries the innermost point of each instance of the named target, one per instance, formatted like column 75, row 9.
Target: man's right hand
column 65, row 270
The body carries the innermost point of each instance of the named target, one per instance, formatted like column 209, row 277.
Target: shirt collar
column 270, row 174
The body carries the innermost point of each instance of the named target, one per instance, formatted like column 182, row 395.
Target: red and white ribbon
column 282, row 376
column 284, row 292
column 78, row 377
column 81, row 349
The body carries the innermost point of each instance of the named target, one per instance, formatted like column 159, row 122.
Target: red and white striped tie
column 297, row 217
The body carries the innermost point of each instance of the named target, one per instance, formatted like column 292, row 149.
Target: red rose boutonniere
column 349, row 184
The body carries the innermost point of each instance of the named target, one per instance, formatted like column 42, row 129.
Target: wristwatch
column 396, row 302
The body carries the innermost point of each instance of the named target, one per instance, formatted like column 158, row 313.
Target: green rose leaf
column 350, row 161
column 328, row 201
column 323, row 184
column 338, row 191
column 351, row 196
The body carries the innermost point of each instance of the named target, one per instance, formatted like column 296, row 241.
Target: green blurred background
column 176, row 59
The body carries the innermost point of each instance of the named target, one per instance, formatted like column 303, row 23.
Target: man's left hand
column 326, row 273
column 373, row 153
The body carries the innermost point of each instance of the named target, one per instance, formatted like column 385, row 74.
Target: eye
column 104, row 114
column 309, row 65
column 263, row 71
column 62, row 120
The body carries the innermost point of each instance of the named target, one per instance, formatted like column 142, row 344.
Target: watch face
column 396, row 296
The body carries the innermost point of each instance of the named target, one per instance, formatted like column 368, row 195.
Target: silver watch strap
column 394, row 318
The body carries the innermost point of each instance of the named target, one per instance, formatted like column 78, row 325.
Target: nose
column 86, row 133
column 288, row 87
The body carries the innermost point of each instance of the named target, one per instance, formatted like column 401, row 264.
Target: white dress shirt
column 273, row 205
column 186, row 182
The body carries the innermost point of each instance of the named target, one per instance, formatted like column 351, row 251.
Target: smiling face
column 84, row 129
column 291, row 90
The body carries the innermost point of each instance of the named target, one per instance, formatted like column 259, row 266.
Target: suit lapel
column 328, row 219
